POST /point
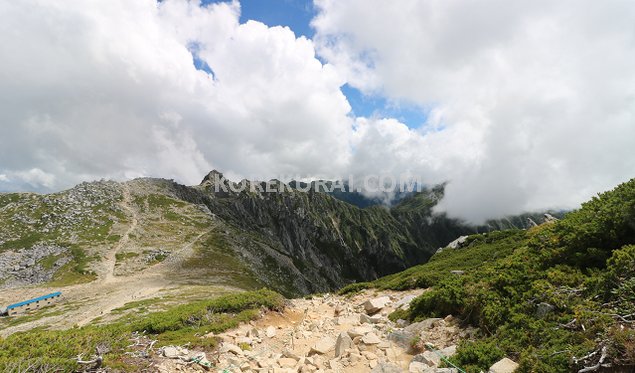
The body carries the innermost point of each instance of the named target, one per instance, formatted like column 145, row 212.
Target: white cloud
column 531, row 104
column 109, row 89
column 534, row 102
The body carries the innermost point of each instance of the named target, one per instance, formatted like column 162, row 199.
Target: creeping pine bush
column 544, row 296
column 55, row 350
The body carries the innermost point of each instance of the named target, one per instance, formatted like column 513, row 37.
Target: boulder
column 323, row 346
column 448, row 351
column 371, row 339
column 170, row 352
column 428, row 357
column 504, row 365
column 359, row 331
column 286, row 362
column 253, row 333
column 375, row 305
column 457, row 243
column 335, row 365
column 417, row 367
column 420, row 326
column 370, row 319
column 404, row 302
column 343, row 343
column 229, row 347
column 386, row 368
column 401, row 338
column 270, row 332
column 544, row 309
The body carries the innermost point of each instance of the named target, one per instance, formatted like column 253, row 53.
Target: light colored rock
column 417, row 367
column 364, row 319
column 347, row 320
column 343, row 343
column 246, row 340
column 401, row 338
column 369, row 355
column 420, row 326
column 375, row 319
column 323, row 346
column 307, row 369
column 428, row 357
column 335, row 365
column 289, row 354
column 253, row 333
column 371, row 339
column 270, row 332
column 457, row 243
column 282, row 370
column 375, row 305
column 386, row 368
column 544, row 309
column 504, row 365
column 230, row 347
column 448, row 351
column 359, row 331
column 170, row 352
column 404, row 303
column 287, row 362
column 265, row 363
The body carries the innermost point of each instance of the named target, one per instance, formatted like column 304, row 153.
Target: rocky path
column 332, row 334
column 111, row 257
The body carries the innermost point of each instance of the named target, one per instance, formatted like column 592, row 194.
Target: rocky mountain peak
column 212, row 176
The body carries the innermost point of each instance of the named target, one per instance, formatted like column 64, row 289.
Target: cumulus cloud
column 109, row 89
column 532, row 104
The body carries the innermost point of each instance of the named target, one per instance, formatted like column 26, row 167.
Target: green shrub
column 55, row 350
column 543, row 296
column 473, row 356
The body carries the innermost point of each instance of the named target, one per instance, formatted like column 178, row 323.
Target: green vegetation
column 56, row 349
column 121, row 256
column 542, row 297
column 215, row 257
column 76, row 271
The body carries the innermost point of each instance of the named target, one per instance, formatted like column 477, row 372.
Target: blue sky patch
column 199, row 64
column 377, row 106
column 297, row 15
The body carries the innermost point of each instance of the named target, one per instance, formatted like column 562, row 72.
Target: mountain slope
column 295, row 240
column 556, row 297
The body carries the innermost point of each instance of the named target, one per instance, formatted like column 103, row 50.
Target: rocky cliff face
column 309, row 241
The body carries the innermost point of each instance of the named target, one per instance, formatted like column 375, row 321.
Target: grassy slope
column 62, row 219
column 55, row 350
column 583, row 266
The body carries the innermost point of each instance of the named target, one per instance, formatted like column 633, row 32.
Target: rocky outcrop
column 504, row 365
column 34, row 265
column 326, row 340
column 313, row 242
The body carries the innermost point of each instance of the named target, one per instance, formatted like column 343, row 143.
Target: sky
column 518, row 106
